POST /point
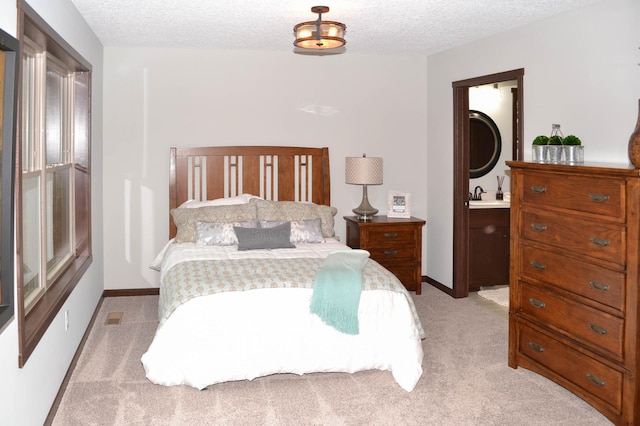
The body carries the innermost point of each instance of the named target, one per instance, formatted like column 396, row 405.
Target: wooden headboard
column 278, row 173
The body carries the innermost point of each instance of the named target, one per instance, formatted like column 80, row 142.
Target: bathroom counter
column 489, row 204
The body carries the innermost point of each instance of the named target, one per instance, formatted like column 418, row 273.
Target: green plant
column 541, row 140
column 572, row 140
column 555, row 140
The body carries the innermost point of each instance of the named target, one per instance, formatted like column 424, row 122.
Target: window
column 54, row 183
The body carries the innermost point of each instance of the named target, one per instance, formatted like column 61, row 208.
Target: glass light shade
column 331, row 35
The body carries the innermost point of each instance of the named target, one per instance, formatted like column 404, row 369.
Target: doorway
column 461, row 154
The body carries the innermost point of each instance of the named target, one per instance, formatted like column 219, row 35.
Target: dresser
column 573, row 315
column 395, row 243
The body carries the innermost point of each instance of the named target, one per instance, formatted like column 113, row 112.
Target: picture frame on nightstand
column 399, row 204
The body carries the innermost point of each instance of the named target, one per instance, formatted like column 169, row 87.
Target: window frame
column 33, row 322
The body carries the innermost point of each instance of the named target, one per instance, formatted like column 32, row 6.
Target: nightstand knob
column 391, row 234
column 391, row 252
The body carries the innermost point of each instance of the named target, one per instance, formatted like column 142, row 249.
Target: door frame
column 461, row 166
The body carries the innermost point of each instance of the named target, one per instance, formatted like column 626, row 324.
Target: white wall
column 27, row 393
column 159, row 98
column 581, row 70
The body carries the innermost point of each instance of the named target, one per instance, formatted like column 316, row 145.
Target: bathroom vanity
column 488, row 243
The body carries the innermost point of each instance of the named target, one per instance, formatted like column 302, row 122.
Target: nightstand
column 394, row 243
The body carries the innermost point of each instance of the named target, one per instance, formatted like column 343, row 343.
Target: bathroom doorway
column 461, row 154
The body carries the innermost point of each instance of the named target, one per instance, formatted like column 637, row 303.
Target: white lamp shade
column 363, row 170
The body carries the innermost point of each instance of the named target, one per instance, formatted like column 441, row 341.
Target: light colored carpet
column 499, row 295
column 466, row 381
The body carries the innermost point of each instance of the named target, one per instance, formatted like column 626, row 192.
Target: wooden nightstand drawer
column 594, row 282
column 597, row 329
column 407, row 273
column 391, row 235
column 582, row 371
column 385, row 254
column 395, row 243
column 572, row 234
column 598, row 196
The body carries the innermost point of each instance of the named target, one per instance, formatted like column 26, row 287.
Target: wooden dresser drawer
column 597, row 196
column 595, row 328
column 599, row 284
column 390, row 235
column 583, row 371
column 602, row 240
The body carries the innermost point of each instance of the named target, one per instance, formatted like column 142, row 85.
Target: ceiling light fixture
column 319, row 34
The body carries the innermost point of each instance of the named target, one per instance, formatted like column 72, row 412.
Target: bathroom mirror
column 485, row 144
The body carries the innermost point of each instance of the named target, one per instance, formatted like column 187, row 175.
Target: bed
column 236, row 305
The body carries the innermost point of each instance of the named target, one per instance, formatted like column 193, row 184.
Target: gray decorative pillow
column 292, row 210
column 302, row 231
column 264, row 238
column 220, row 234
column 185, row 218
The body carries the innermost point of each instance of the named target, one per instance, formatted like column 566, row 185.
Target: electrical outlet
column 66, row 320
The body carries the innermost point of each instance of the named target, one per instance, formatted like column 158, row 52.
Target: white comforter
column 242, row 335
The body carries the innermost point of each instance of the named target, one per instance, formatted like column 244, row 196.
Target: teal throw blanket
column 337, row 288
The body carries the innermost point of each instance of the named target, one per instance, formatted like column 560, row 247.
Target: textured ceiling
column 373, row 26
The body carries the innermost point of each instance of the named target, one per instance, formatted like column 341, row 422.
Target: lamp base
column 365, row 211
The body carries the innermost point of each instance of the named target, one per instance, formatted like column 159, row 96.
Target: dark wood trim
column 438, row 285
column 131, row 292
column 461, row 191
column 38, row 30
column 461, row 167
column 33, row 325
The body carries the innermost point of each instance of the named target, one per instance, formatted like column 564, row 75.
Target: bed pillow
column 264, row 238
column 302, row 231
column 240, row 199
column 220, row 234
column 185, row 218
column 292, row 210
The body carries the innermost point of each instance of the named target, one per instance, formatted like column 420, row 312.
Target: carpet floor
column 466, row 380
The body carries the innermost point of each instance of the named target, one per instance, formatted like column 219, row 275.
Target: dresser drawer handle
column 596, row 380
column 391, row 234
column 598, row 286
column 391, row 252
column 598, row 329
column 536, row 347
column 537, row 303
column 599, row 198
column 539, row 189
column 599, row 242
column 538, row 227
column 538, row 266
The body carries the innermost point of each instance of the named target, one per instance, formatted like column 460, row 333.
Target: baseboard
column 131, row 292
column 443, row 288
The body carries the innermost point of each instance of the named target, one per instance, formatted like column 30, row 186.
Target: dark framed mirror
column 485, row 144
